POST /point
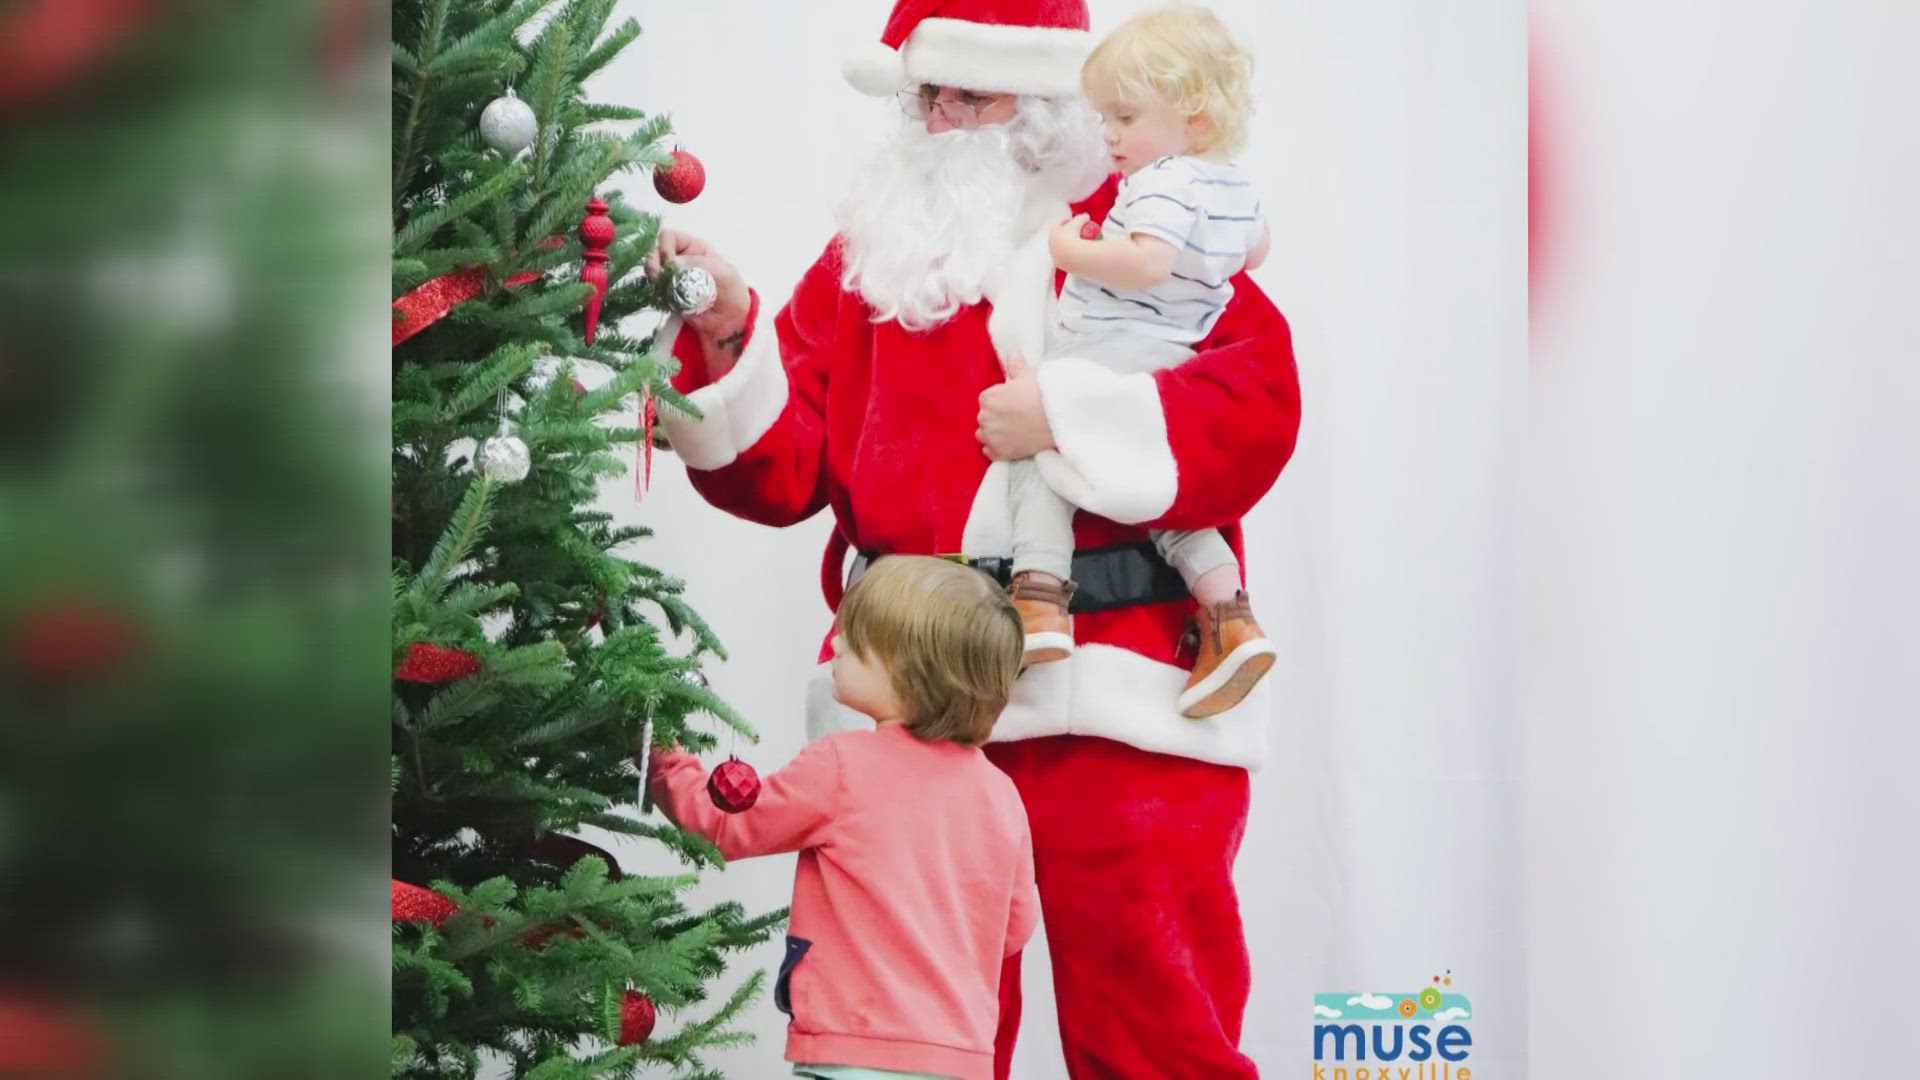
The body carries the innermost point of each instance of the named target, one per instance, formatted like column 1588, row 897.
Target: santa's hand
column 721, row 327
column 1013, row 419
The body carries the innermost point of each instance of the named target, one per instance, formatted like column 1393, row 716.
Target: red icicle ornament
column 596, row 236
column 649, row 414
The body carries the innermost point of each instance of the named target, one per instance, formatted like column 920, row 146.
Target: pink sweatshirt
column 915, row 880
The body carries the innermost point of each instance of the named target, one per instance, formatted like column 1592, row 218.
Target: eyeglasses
column 962, row 109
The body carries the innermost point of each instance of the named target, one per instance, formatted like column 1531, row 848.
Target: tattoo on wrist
column 733, row 342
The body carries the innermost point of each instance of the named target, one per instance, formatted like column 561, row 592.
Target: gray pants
column 1043, row 521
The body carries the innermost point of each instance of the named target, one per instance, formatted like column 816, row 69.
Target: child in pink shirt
column 915, row 876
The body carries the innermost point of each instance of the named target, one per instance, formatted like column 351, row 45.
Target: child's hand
column 1066, row 239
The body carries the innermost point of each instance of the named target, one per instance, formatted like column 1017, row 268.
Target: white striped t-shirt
column 1210, row 214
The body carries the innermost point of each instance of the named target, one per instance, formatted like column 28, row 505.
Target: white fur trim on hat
column 974, row 56
column 873, row 69
column 997, row 59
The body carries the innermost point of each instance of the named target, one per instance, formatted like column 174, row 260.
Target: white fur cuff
column 1100, row 690
column 735, row 411
column 1115, row 459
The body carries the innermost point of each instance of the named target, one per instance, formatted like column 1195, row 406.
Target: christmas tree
column 532, row 653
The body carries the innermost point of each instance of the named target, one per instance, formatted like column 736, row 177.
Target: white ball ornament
column 508, row 124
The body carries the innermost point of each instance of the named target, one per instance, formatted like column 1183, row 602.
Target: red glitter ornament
column 684, row 181
column 636, row 1018
column 433, row 664
column 734, row 786
column 411, row 903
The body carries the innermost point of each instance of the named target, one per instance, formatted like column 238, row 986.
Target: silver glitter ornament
column 508, row 125
column 505, row 457
column 692, row 290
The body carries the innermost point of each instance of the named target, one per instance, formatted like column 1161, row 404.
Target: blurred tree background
column 191, row 614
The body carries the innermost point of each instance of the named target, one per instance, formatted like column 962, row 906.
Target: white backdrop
column 1725, row 486
column 1385, row 843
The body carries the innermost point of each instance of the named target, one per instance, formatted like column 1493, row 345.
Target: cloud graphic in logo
column 1370, row 1001
column 1322, row 1010
column 1454, row 1013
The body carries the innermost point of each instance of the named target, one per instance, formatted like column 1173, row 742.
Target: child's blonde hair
column 1180, row 56
column 950, row 639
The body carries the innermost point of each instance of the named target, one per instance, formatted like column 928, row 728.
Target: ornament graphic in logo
column 1412, row 1035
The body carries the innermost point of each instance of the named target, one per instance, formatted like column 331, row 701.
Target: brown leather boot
column 1043, row 609
column 1234, row 655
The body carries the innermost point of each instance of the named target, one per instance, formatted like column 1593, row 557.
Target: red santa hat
column 993, row 46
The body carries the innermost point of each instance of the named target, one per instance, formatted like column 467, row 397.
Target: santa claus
column 890, row 388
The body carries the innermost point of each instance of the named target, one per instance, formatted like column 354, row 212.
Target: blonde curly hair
column 1181, row 56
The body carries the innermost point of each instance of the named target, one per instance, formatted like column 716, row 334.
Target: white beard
column 931, row 217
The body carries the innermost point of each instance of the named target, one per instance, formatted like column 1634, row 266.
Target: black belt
column 1123, row 575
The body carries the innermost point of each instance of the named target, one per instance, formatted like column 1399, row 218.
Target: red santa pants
column 1133, row 852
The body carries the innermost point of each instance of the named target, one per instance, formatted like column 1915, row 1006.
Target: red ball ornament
column 432, row 664
column 684, row 181
column 1091, row 230
column 411, row 903
column 40, row 1039
column 636, row 1019
column 734, row 786
column 68, row 640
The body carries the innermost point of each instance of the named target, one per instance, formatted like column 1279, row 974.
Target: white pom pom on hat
column 873, row 69
column 994, row 46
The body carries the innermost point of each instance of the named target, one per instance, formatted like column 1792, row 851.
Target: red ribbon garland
column 429, row 303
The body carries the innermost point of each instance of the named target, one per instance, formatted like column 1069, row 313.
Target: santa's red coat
column 828, row 409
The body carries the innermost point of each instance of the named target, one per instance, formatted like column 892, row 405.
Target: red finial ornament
column 596, row 235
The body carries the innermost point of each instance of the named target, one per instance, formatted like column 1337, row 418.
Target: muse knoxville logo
column 1416, row 1035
